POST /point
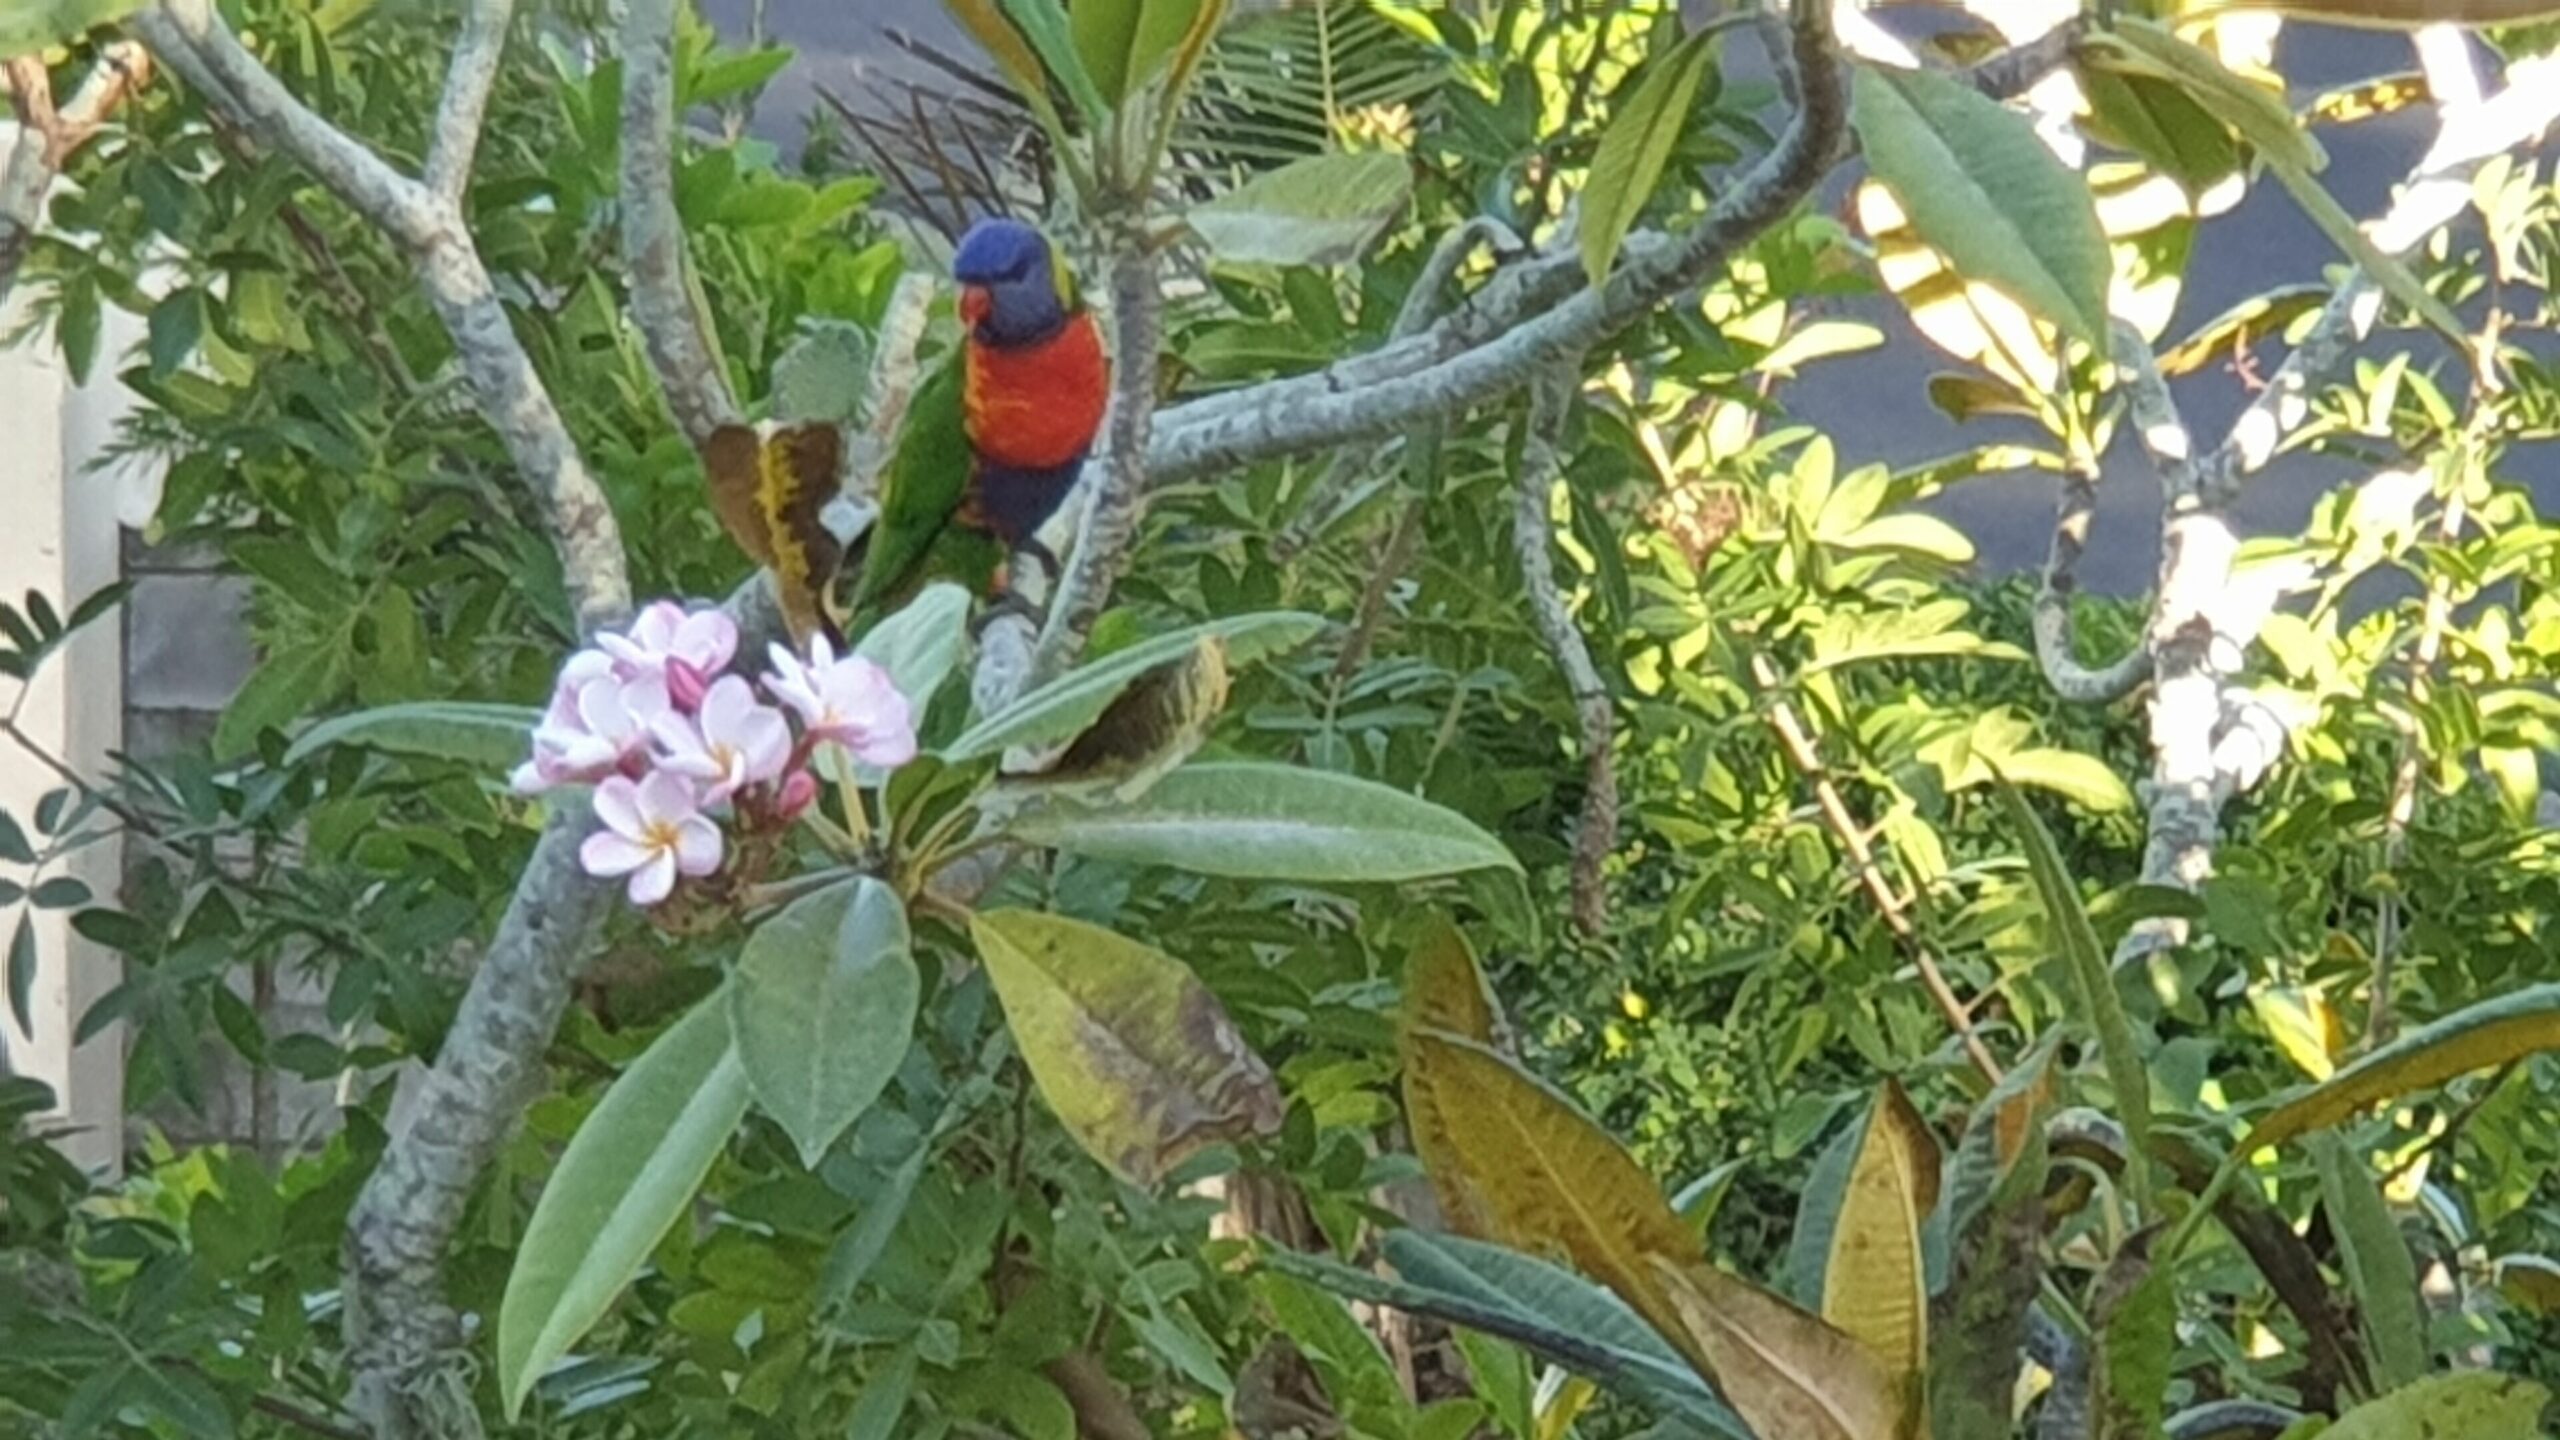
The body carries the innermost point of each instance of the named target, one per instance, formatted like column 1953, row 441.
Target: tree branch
column 653, row 255
column 1798, row 745
column 1422, row 305
column 2210, row 740
column 1110, row 528
column 256, row 101
column 464, row 107
column 47, row 137
column 1527, row 321
column 2081, row 684
column 1595, row 832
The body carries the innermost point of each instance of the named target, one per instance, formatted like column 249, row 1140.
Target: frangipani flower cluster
column 674, row 745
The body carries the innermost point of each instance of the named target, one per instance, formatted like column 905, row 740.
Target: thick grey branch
column 2210, row 740
column 1422, row 305
column 1527, row 321
column 653, row 255
column 400, row 1330
column 256, row 101
column 1111, row 517
column 464, row 107
column 1533, row 542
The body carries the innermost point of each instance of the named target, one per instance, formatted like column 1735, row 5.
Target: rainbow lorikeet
column 996, row 436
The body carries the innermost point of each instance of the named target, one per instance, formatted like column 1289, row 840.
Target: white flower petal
column 617, row 805
column 665, row 798
column 654, row 881
column 697, row 846
column 606, row 854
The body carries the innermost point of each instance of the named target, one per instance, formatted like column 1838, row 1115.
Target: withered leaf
column 771, row 493
column 1138, row 1059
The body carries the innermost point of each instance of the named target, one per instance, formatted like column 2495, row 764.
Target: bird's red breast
column 1037, row 406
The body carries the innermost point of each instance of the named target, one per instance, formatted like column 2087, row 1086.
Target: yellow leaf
column 2304, row 1026
column 1138, row 1059
column 771, row 494
column 1788, row 1374
column 1445, row 990
column 1875, row 1286
column 1531, row 1171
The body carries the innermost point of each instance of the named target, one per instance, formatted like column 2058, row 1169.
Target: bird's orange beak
column 974, row 304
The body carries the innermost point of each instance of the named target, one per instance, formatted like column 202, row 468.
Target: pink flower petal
column 654, row 881
column 698, row 846
column 730, row 700
column 617, row 805
column 606, row 854
column 665, row 798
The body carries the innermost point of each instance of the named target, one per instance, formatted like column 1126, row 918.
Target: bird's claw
column 1005, row 603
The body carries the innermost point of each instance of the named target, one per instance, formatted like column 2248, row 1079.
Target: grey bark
column 653, row 255
column 1112, row 516
column 2210, row 739
column 1533, row 538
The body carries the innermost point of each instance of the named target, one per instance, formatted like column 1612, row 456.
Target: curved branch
column 2081, row 684
column 653, row 261
column 1421, row 306
column 1527, row 321
column 253, row 99
column 464, row 107
column 1595, row 832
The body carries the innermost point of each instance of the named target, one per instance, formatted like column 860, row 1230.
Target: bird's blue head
column 1013, row 287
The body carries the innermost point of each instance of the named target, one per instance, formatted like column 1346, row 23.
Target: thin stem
column 1798, row 744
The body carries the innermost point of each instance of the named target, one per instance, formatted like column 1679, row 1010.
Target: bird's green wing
column 927, row 477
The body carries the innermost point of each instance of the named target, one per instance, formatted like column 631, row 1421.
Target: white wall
column 59, row 536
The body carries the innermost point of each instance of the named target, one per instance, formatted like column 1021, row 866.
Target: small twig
column 1807, row 760
column 1595, row 834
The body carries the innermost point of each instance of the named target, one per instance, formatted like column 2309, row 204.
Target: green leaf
column 1917, row 534
column 1979, row 186
column 2136, row 1314
column 2140, row 46
column 1063, row 708
column 2493, row 1032
column 1104, row 30
column 13, row 841
column 28, row 25
column 1260, row 820
column 76, row 324
column 2475, row 1405
column 487, row 737
column 1636, row 146
column 1319, row 210
column 822, row 1007
column 1545, row 1309
column 884, row 1400
column 1044, row 24
column 823, row 373
column 284, row 685
column 21, row 977
column 2380, row 1274
column 2084, row 780
column 2156, row 119
column 177, row 324
column 2093, row 977
column 1138, row 1059
column 627, row 1176
column 1995, row 1233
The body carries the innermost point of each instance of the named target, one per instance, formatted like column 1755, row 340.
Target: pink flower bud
column 799, row 791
